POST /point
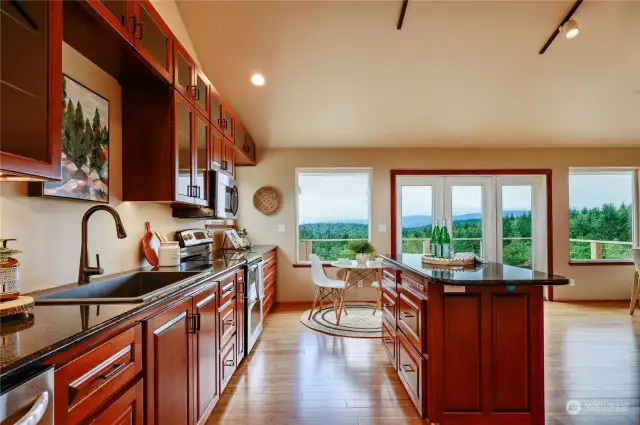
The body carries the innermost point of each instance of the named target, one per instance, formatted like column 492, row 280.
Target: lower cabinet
column 240, row 325
column 228, row 363
column 412, row 372
column 168, row 365
column 125, row 410
column 206, row 352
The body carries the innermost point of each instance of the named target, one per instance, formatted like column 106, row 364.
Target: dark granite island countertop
column 487, row 274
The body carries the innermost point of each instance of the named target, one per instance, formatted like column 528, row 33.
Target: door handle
column 115, row 368
column 229, row 363
column 407, row 315
column 193, row 324
column 228, row 322
column 135, row 25
column 407, row 368
column 37, row 411
column 197, row 93
column 141, row 32
column 198, row 319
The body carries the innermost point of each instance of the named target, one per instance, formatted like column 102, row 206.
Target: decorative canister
column 169, row 254
column 9, row 273
column 10, row 335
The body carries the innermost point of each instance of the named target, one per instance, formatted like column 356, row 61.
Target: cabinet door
column 240, row 135
column 249, row 148
column 118, row 14
column 168, row 366
column 153, row 38
column 126, row 410
column 184, row 72
column 240, row 325
column 202, row 91
column 228, row 363
column 206, row 352
column 184, row 129
column 216, row 148
column 228, row 163
column 228, row 123
column 31, row 76
column 215, row 111
column 200, row 181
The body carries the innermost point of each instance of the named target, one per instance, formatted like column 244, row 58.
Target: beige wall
column 169, row 12
column 48, row 231
column 276, row 167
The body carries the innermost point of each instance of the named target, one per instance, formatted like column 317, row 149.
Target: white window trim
column 635, row 230
column 331, row 170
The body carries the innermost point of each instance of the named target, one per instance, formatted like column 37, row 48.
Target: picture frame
column 85, row 147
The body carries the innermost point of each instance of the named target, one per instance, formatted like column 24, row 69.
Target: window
column 602, row 211
column 334, row 207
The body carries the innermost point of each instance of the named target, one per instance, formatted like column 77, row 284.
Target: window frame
column 329, row 170
column 635, row 211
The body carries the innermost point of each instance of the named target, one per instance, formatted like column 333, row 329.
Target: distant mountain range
column 423, row 220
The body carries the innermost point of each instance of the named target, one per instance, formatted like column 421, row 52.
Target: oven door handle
column 235, row 198
column 37, row 411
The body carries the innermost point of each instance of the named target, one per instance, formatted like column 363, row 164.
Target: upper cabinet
column 215, row 109
column 228, row 123
column 203, row 90
column 31, row 90
column 184, row 72
column 119, row 14
column 152, row 37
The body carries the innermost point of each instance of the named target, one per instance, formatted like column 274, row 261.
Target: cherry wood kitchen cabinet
column 240, row 324
column 169, row 365
column 228, row 123
column 201, row 148
column 202, row 92
column 270, row 274
column 128, row 409
column 229, row 161
column 184, row 136
column 215, row 109
column 119, row 14
column 152, row 38
column 184, row 72
column 206, row 352
column 216, row 149
column 31, row 92
column 246, row 155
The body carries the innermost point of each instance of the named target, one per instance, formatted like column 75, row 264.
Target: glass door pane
column 184, row 116
column 466, row 219
column 417, row 218
column 117, row 8
column 153, row 38
column 202, row 92
column 201, row 159
column 184, row 73
column 516, row 215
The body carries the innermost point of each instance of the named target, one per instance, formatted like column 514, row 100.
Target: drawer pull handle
column 407, row 368
column 115, row 368
column 229, row 363
column 227, row 290
column 385, row 305
column 387, row 340
column 407, row 315
column 228, row 322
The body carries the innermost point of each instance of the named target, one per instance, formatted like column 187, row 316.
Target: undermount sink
column 129, row 288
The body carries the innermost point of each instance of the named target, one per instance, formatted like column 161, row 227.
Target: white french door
column 499, row 218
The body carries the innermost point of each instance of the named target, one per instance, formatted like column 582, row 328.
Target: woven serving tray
column 463, row 259
column 266, row 200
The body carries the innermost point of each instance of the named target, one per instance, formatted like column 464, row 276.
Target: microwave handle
column 37, row 411
column 236, row 199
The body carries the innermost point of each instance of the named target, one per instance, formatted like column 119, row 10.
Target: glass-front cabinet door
column 241, row 134
column 228, row 123
column 183, row 144
column 118, row 14
column 215, row 110
column 153, row 38
column 202, row 92
column 201, row 187
column 216, row 148
column 184, row 72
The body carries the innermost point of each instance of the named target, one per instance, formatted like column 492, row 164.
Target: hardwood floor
column 296, row 376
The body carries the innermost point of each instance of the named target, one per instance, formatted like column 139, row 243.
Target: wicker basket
column 459, row 260
column 266, row 200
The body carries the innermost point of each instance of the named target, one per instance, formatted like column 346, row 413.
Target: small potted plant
column 9, row 273
column 363, row 249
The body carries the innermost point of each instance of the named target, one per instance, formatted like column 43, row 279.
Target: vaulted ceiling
column 459, row 73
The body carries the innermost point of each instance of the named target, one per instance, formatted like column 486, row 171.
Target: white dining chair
column 635, row 291
column 327, row 287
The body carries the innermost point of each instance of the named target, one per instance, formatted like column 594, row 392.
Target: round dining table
column 352, row 272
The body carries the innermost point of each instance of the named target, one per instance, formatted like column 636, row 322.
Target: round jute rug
column 360, row 322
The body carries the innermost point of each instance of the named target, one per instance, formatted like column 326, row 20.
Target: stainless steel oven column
column 254, row 294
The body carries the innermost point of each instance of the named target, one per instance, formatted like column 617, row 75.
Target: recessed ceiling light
column 257, row 80
column 570, row 29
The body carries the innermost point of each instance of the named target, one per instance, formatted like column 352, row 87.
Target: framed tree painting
column 85, row 147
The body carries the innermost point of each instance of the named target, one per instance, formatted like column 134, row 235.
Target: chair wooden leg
column 315, row 300
column 635, row 292
column 342, row 294
column 378, row 301
column 322, row 299
column 335, row 304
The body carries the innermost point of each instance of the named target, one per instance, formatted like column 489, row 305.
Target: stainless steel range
column 254, row 294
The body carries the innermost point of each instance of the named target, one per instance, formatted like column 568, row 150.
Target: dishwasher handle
column 37, row 411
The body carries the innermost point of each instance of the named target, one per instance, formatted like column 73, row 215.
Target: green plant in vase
column 362, row 249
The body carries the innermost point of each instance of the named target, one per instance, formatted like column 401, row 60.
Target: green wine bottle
column 445, row 240
column 435, row 240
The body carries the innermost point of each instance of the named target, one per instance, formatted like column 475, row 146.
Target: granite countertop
column 48, row 329
column 487, row 274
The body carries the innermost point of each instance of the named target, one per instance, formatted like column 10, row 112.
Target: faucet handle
column 100, row 269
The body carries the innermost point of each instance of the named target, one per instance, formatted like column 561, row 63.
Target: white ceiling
column 459, row 74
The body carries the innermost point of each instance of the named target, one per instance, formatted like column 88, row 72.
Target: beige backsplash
column 48, row 230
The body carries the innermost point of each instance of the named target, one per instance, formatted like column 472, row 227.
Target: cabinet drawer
column 125, row 410
column 91, row 379
column 240, row 282
column 389, row 278
column 390, row 345
column 269, row 257
column 227, row 363
column 227, row 322
column 412, row 371
column 389, row 307
column 227, row 288
column 412, row 308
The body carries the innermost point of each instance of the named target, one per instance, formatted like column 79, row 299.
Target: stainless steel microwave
column 224, row 194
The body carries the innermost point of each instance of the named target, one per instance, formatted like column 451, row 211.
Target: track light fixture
column 568, row 26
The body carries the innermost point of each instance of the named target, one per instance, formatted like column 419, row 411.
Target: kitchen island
column 467, row 343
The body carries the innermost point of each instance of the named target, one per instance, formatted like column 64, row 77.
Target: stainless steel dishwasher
column 30, row 400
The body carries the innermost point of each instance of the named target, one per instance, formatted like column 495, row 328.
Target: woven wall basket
column 267, row 200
